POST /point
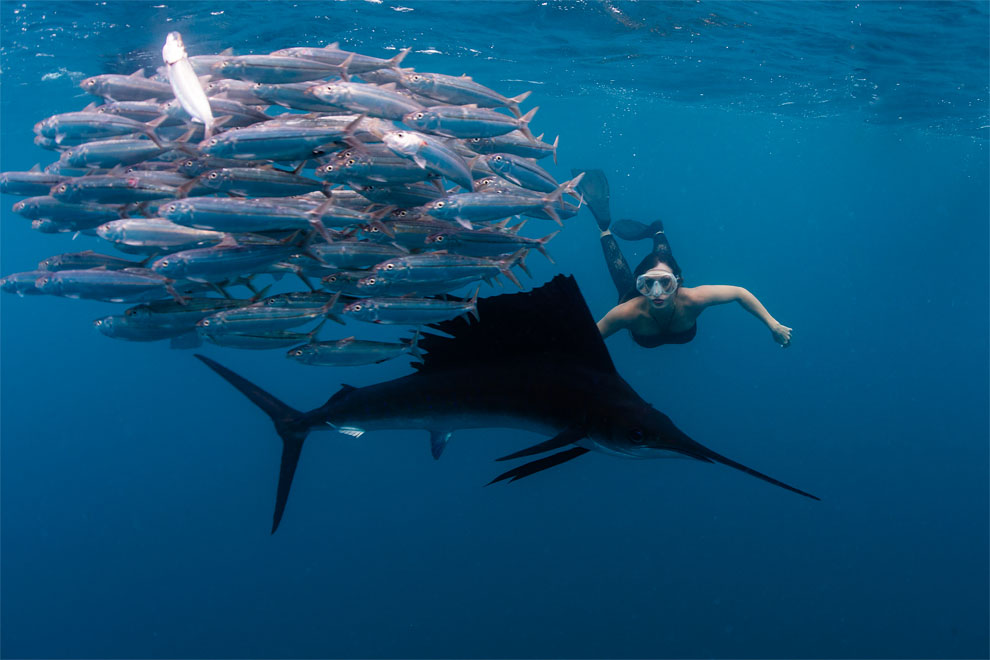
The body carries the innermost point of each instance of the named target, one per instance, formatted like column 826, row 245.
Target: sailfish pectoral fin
column 568, row 436
column 539, row 465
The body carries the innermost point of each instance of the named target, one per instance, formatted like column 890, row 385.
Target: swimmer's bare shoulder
column 621, row 317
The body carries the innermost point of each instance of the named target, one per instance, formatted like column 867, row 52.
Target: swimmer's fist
column 781, row 335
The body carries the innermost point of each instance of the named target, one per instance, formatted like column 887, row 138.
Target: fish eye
column 214, row 141
column 165, row 264
column 331, row 278
column 350, row 161
column 172, row 207
column 356, row 308
column 206, row 323
column 401, row 214
column 440, row 204
column 419, row 115
column 439, row 239
column 370, row 280
column 213, row 175
column 636, row 436
column 416, row 78
column 63, row 188
column 497, row 158
column 257, row 85
column 389, row 266
column 297, row 352
column 372, row 230
column 475, row 140
column 328, row 168
column 189, row 163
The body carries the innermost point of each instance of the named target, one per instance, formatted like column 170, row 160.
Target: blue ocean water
column 830, row 157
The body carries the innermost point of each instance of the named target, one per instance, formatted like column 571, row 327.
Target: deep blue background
column 842, row 179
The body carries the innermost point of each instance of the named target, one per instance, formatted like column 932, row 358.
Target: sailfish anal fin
column 438, row 442
column 568, row 436
column 539, row 465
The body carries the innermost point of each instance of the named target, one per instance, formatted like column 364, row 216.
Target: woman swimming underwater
column 653, row 305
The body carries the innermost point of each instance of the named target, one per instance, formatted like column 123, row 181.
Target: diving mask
column 656, row 284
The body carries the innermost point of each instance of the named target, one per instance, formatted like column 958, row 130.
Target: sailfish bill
column 534, row 362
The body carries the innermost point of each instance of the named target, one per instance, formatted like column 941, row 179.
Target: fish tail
column 514, row 101
column 397, row 60
column 473, row 310
column 524, row 123
column 292, row 426
column 516, row 259
column 541, row 245
column 414, row 346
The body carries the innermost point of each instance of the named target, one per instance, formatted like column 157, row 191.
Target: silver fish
column 459, row 90
column 155, row 233
column 135, row 87
column 467, row 121
column 351, row 352
column 86, row 260
column 32, row 182
column 410, row 311
column 356, row 63
column 384, row 102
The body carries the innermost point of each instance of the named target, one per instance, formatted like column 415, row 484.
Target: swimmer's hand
column 781, row 335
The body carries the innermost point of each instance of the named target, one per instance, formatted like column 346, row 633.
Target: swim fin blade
column 594, row 189
column 631, row 230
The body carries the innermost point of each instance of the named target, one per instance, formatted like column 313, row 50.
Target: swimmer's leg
column 594, row 188
column 622, row 276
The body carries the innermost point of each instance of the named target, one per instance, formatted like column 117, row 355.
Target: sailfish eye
column 419, row 115
column 636, row 436
column 389, row 266
column 297, row 352
column 356, row 308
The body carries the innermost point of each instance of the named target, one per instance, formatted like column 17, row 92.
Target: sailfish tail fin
column 292, row 426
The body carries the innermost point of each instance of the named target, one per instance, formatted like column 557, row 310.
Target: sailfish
column 534, row 361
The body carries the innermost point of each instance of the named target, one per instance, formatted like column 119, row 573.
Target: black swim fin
column 631, row 230
column 594, row 189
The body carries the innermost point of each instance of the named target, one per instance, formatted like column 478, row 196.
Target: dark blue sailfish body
column 534, row 361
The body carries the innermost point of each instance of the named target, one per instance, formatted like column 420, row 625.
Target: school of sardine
column 379, row 188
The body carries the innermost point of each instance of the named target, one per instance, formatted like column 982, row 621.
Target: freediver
column 654, row 306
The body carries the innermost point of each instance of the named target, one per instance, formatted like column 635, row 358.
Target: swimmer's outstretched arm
column 719, row 294
column 618, row 318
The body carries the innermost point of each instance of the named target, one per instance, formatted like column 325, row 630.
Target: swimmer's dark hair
column 661, row 254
